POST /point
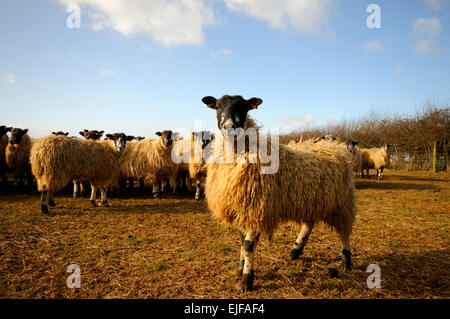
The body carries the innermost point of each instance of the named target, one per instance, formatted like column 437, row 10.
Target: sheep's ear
column 81, row 133
column 109, row 136
column 101, row 132
column 54, row 133
column 255, row 102
column 210, row 102
column 25, row 131
column 66, row 134
column 158, row 133
column 356, row 143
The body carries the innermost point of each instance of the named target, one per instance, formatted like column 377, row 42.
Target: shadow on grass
column 374, row 184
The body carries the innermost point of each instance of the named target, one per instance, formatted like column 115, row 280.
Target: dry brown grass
column 172, row 248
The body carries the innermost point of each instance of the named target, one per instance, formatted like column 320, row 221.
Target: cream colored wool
column 17, row 157
column 148, row 159
column 374, row 158
column 58, row 160
column 313, row 183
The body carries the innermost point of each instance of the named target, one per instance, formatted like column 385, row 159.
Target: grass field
column 172, row 247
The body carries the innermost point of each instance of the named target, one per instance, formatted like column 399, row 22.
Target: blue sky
column 142, row 66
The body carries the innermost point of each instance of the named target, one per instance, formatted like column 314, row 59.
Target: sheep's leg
column 242, row 258
column 81, row 189
column 29, row 180
column 198, row 190
column 248, row 275
column 44, row 200
column 156, row 190
column 131, row 183
column 301, row 241
column 104, row 192
column 368, row 175
column 380, row 176
column 141, row 183
column 173, row 184
column 347, row 256
column 51, row 201
column 75, row 189
column 93, row 195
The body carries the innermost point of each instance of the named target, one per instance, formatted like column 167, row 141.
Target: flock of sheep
column 314, row 181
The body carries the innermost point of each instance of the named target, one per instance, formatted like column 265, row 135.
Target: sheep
column 94, row 135
column 194, row 166
column 4, row 139
column 57, row 160
column 310, row 185
column 17, row 155
column 375, row 158
column 357, row 156
column 151, row 159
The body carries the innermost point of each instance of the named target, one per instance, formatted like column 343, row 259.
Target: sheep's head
column 386, row 147
column 203, row 137
column 91, row 135
column 60, row 133
column 16, row 135
column 231, row 110
column 3, row 130
column 130, row 138
column 351, row 145
column 119, row 139
column 167, row 137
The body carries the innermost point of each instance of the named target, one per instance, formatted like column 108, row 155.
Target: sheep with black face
column 4, row 139
column 18, row 155
column 57, row 160
column 310, row 185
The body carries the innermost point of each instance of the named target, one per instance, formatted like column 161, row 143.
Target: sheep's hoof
column 347, row 259
column 296, row 253
column 52, row 203
column 105, row 203
column 247, row 282
column 93, row 203
column 155, row 195
column 44, row 209
column 197, row 197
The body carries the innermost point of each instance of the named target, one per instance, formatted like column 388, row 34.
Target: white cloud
column 10, row 78
column 107, row 72
column 436, row 5
column 425, row 30
column 305, row 16
column 373, row 46
column 221, row 53
column 298, row 122
column 425, row 46
column 399, row 69
column 429, row 27
column 167, row 22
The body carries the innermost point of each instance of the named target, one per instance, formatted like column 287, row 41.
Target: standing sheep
column 151, row 159
column 357, row 156
column 375, row 158
column 17, row 155
column 57, row 160
column 4, row 139
column 310, row 185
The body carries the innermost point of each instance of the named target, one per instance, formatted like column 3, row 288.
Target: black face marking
column 167, row 137
column 3, row 130
column 249, row 245
column 351, row 145
column 120, row 140
column 16, row 135
column 92, row 135
column 60, row 133
column 231, row 110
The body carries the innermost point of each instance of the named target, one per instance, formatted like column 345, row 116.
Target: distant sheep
column 357, row 156
column 151, row 159
column 311, row 185
column 375, row 158
column 17, row 155
column 4, row 139
column 57, row 160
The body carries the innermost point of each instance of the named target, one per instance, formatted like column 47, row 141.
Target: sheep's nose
column 228, row 124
